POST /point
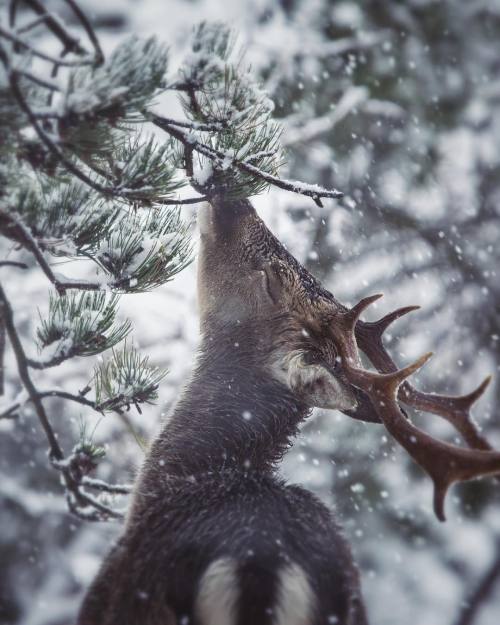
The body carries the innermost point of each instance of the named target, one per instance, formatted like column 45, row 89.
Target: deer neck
column 233, row 414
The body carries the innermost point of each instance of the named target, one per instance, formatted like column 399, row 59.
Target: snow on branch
column 226, row 161
column 82, row 180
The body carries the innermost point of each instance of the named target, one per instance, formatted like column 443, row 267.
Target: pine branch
column 76, row 496
column 14, row 38
column 104, row 487
column 11, row 411
column 126, row 379
column 116, row 190
column 56, row 453
column 79, row 501
column 69, row 42
column 13, row 79
column 13, row 263
column 84, row 21
column 14, row 228
column 79, row 325
column 189, row 141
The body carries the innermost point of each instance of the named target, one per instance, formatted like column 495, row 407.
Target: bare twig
column 91, row 509
column 42, row 55
column 477, row 600
column 13, row 263
column 181, row 86
column 22, row 365
column 70, row 43
column 77, row 498
column 214, row 127
column 38, row 81
column 104, row 487
column 53, row 362
column 187, row 200
column 2, row 352
column 99, row 55
column 10, row 411
column 13, row 5
column 30, row 25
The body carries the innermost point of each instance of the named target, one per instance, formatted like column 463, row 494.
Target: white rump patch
column 295, row 600
column 218, row 593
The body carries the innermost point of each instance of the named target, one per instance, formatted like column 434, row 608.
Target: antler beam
column 443, row 462
column 456, row 410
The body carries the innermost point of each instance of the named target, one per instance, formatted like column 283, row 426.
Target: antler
column 443, row 462
column 456, row 410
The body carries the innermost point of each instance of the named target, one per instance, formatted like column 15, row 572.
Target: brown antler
column 456, row 410
column 444, row 463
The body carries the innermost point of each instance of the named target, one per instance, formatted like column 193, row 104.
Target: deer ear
column 272, row 281
column 318, row 387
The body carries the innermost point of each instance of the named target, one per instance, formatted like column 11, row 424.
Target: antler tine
column 345, row 325
column 352, row 315
column 380, row 326
column 467, row 401
column 444, row 463
column 456, row 410
column 392, row 381
column 369, row 337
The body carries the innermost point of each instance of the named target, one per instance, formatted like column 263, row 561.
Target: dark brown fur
column 208, row 488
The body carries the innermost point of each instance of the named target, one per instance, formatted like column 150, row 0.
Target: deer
column 214, row 536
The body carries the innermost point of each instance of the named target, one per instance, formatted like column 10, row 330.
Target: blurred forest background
column 398, row 105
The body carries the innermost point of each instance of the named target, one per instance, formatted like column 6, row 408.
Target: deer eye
column 311, row 358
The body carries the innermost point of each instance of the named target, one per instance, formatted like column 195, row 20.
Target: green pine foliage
column 126, row 379
column 81, row 324
column 220, row 91
column 84, row 179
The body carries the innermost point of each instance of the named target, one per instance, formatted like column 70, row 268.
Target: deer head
column 247, row 278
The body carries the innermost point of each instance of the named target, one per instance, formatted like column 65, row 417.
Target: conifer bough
column 83, row 177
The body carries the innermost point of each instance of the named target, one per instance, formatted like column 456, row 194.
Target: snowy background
column 396, row 104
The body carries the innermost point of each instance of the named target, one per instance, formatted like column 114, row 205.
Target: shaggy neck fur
column 233, row 414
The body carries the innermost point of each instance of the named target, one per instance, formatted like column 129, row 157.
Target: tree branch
column 15, row 229
column 215, row 127
column 42, row 55
column 9, row 413
column 472, row 606
column 22, row 366
column 2, row 352
column 70, row 43
column 13, row 263
column 99, row 55
column 104, row 487
column 313, row 191
column 75, row 496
